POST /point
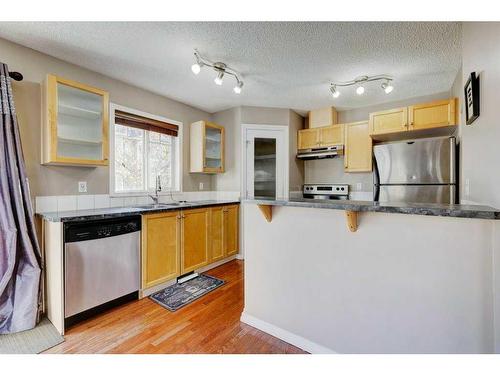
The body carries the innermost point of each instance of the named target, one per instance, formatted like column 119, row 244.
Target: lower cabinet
column 194, row 241
column 160, row 248
column 178, row 242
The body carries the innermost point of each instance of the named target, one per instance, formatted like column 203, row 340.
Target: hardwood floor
column 209, row 325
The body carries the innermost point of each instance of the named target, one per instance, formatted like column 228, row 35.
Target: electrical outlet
column 82, row 186
column 467, row 188
column 359, row 186
column 201, row 185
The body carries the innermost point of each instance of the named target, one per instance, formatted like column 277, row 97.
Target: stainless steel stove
column 325, row 191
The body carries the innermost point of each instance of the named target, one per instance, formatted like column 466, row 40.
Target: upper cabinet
column 321, row 137
column 432, row 115
column 206, row 147
column 391, row 121
column 322, row 117
column 75, row 129
column 358, row 147
column 426, row 119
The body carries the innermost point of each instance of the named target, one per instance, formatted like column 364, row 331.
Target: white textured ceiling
column 284, row 64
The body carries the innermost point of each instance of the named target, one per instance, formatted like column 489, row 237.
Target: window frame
column 177, row 143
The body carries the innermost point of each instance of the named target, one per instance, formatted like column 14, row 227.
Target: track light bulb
column 237, row 88
column 334, row 91
column 218, row 79
column 360, row 90
column 387, row 87
column 196, row 68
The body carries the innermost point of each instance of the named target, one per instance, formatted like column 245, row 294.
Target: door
column 217, row 232
column 194, row 248
column 331, row 135
column 422, row 161
column 266, row 163
column 160, row 248
column 308, row 138
column 231, row 226
column 432, row 115
column 390, row 121
column 358, row 147
column 417, row 193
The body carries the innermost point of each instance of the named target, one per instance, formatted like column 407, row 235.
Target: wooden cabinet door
column 331, row 135
column 160, row 248
column 217, row 218
column 231, row 229
column 322, row 117
column 194, row 247
column 433, row 115
column 390, row 121
column 308, row 138
column 358, row 147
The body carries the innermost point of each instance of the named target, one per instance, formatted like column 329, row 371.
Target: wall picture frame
column 471, row 93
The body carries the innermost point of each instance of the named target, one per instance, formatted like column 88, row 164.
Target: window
column 143, row 147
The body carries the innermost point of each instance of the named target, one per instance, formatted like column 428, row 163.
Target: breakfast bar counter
column 413, row 278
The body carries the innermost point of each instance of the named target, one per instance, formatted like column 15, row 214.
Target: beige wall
column 58, row 180
column 332, row 170
column 232, row 119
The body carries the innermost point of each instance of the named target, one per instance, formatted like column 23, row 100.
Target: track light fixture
column 221, row 69
column 360, row 81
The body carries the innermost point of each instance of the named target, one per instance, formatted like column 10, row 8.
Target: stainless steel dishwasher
column 102, row 264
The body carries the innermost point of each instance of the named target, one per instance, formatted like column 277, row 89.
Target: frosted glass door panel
column 213, row 147
column 79, row 123
column 265, row 167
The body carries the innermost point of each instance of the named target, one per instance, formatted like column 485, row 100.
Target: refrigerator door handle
column 376, row 181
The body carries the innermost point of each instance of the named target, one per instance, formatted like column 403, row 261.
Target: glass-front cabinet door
column 206, row 147
column 76, row 128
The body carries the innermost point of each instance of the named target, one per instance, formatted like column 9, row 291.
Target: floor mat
column 178, row 295
column 44, row 336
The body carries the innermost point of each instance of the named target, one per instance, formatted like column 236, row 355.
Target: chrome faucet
column 155, row 197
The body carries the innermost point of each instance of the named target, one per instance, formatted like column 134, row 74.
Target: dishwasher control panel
column 95, row 229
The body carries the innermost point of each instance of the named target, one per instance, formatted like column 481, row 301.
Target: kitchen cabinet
column 75, row 123
column 308, row 138
column 194, row 239
column 231, row 229
column 432, row 115
column 358, row 147
column 321, row 137
column 390, row 121
column 434, row 118
column 217, row 251
column 224, row 228
column 206, row 147
column 322, row 117
column 161, row 243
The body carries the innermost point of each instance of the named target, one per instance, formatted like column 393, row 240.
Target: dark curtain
column 20, row 261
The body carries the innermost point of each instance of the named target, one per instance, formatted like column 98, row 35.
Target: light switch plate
column 82, row 186
column 467, row 188
column 359, row 186
column 201, row 185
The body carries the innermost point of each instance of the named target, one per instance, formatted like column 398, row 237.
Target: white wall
column 400, row 284
column 480, row 141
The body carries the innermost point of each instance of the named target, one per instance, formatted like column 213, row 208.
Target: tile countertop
column 109, row 213
column 428, row 209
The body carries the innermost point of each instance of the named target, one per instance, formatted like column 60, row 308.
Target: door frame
column 283, row 129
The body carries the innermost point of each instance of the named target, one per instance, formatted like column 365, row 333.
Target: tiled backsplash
column 87, row 201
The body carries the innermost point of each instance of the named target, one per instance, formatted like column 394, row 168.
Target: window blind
column 144, row 123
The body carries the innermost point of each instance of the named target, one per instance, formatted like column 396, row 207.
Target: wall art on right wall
column 471, row 92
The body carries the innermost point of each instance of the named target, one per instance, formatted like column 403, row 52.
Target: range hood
column 320, row 153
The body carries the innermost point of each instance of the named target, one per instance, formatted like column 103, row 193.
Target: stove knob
column 342, row 189
column 337, row 189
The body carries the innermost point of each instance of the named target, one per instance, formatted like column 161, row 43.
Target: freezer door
column 417, row 193
column 421, row 161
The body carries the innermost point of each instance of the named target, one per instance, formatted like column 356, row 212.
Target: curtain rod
column 16, row 76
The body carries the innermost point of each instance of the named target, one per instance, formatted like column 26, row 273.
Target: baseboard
column 285, row 335
column 215, row 264
column 240, row 256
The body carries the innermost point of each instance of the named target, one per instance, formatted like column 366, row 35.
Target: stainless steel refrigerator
column 417, row 171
